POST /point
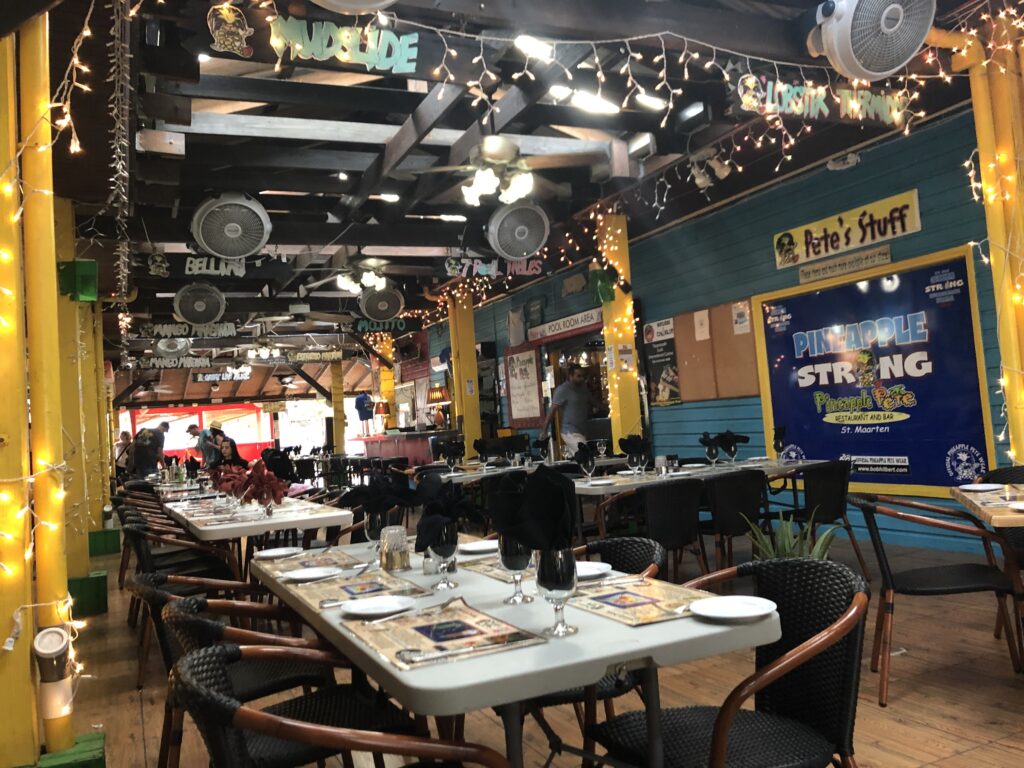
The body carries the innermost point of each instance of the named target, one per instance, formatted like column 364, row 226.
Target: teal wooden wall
column 727, row 255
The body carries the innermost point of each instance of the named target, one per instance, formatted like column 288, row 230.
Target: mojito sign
column 379, row 50
column 883, row 372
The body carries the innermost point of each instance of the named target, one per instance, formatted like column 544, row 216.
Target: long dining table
column 468, row 682
column 474, row 472
column 221, row 518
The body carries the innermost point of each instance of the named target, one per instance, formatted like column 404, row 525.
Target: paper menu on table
column 651, row 602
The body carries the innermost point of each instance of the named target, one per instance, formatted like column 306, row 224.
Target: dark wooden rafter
column 125, row 395
column 300, row 371
column 14, row 13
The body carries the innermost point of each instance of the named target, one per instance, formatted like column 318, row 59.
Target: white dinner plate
column 758, row 458
column 697, row 466
column 277, row 553
column 625, row 472
column 1017, row 506
column 301, row 575
column 732, row 608
column 375, row 607
column 980, row 487
column 600, row 482
column 588, row 570
column 479, row 547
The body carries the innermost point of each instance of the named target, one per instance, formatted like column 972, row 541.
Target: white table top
column 470, row 475
column 471, row 683
column 211, row 521
column 619, row 483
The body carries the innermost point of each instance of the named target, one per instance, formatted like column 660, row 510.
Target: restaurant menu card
column 314, row 558
column 491, row 566
column 455, row 628
column 636, row 604
column 373, row 583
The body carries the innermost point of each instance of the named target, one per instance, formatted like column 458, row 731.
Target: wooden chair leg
column 176, row 730
column 165, row 736
column 719, row 552
column 460, row 728
column 577, row 709
column 728, row 542
column 848, row 761
column 1011, row 637
column 122, row 571
column 998, row 631
column 702, row 555
column 886, row 651
column 589, row 719
column 133, row 611
column 378, row 760
column 856, row 549
column 879, row 625
column 609, row 709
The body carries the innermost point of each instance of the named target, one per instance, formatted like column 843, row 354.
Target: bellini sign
column 380, row 50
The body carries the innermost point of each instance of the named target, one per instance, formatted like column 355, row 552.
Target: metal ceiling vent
column 199, row 304
column 518, row 231
column 173, row 347
column 869, row 39
column 383, row 305
column 231, row 226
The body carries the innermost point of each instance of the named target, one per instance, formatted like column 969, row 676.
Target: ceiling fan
column 152, row 387
column 498, row 168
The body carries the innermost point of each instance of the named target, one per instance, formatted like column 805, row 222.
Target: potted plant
column 789, row 539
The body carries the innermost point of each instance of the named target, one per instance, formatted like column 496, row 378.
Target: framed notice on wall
column 662, row 368
column 885, row 370
column 523, row 387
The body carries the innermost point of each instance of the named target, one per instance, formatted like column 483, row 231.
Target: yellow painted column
column 105, row 460
column 19, row 738
column 466, row 383
column 338, row 401
column 385, row 345
column 71, row 324
column 92, row 408
column 43, row 342
column 619, row 332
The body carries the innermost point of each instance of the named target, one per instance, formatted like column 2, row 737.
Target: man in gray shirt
column 571, row 400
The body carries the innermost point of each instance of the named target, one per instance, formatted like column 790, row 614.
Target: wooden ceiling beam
column 312, row 382
column 264, row 154
column 14, row 13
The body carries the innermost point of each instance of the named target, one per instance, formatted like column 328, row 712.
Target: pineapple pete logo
column 965, row 463
column 229, row 30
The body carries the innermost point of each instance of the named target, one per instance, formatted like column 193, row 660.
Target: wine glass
column 451, row 460
column 711, row 451
column 556, row 581
column 731, row 449
column 510, row 454
column 779, row 441
column 588, row 463
column 443, row 550
column 375, row 523
column 634, row 461
column 515, row 558
column 602, row 446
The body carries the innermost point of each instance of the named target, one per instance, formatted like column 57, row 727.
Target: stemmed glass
column 374, row 525
column 443, row 550
column 634, row 461
column 510, row 454
column 588, row 464
column 451, row 460
column 731, row 449
column 602, row 446
column 515, row 558
column 556, row 582
column 711, row 451
column 779, row 441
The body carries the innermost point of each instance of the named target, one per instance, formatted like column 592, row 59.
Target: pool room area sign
column 884, row 369
column 873, row 223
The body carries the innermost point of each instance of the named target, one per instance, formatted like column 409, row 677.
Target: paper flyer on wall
column 662, row 367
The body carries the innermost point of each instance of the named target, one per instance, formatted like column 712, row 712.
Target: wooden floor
column 953, row 702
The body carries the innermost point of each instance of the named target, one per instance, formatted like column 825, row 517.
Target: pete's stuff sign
column 847, row 231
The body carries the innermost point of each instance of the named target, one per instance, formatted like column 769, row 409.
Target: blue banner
column 883, row 372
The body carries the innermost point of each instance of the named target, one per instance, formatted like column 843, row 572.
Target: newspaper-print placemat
column 309, row 559
column 491, row 566
column 446, row 634
column 373, row 583
column 637, row 603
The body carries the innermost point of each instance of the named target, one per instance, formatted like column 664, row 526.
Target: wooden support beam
column 215, row 401
column 14, row 13
column 322, row 390
column 122, row 398
column 259, row 154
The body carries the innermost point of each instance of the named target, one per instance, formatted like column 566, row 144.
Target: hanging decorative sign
column 230, row 30
column 396, row 325
column 380, row 50
column 873, row 223
column 885, row 370
column 662, row 367
column 581, row 322
column 225, row 330
column 844, row 265
column 180, row 267
column 836, row 103
column 168, row 363
column 314, row 356
column 242, row 373
column 496, row 267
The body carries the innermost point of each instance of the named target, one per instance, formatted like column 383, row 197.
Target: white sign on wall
column 566, row 326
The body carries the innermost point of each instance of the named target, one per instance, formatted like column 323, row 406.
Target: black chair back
column 146, row 586
column 192, row 630
column 673, row 513
column 136, row 532
column 869, row 512
column 825, row 489
column 736, row 498
column 822, row 692
column 630, row 554
column 1004, row 475
column 200, row 683
column 518, row 443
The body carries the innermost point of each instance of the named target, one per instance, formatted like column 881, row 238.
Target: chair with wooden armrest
column 627, row 555
column 340, row 719
column 956, row 579
column 216, row 562
column 673, row 519
column 738, row 499
column 805, row 685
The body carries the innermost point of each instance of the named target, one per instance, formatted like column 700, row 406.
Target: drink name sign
column 159, row 363
column 842, row 102
column 381, row 50
column 189, row 331
column 492, row 267
column 242, row 373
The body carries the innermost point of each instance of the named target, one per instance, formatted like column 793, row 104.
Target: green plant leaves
column 790, row 539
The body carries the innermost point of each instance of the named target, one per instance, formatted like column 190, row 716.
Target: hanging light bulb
column 534, row 48
column 485, row 182
column 251, row 354
column 264, row 353
column 519, row 186
column 368, row 279
column 380, row 283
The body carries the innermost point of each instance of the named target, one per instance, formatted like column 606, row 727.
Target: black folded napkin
column 455, row 449
column 584, row 453
column 541, row 515
column 728, row 441
column 542, row 446
column 450, row 504
column 708, row 441
column 633, row 445
column 481, row 448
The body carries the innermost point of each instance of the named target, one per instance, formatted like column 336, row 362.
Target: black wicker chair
column 935, row 580
column 673, row 518
column 628, row 555
column 338, row 719
column 805, row 685
column 735, row 498
column 826, row 487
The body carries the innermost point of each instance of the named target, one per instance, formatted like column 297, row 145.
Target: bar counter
column 415, row 446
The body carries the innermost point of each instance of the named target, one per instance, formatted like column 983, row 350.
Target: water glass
column 394, row 549
column 556, row 582
column 634, row 461
column 588, row 464
column 711, row 452
column 443, row 550
column 515, row 558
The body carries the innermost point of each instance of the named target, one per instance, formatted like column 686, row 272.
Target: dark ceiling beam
column 259, row 154
column 217, row 401
column 164, row 229
column 612, row 19
column 431, row 110
column 313, row 383
column 243, row 307
column 14, row 13
column 125, row 395
column 254, row 181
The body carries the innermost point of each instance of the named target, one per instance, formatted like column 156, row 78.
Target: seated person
column 229, row 455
